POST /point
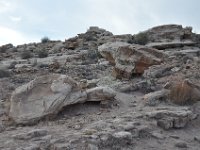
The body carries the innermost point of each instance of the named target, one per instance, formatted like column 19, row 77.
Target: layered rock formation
column 99, row 91
column 130, row 60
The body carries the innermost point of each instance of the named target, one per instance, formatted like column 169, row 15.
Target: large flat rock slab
column 44, row 96
column 47, row 95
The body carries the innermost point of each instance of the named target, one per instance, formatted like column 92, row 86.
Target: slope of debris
column 99, row 91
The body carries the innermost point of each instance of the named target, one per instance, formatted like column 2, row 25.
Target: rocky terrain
column 99, row 91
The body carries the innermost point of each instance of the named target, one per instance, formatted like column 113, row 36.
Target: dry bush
column 45, row 39
column 42, row 53
column 141, row 38
column 184, row 92
column 26, row 55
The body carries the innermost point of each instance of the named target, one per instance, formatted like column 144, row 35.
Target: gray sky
column 23, row 21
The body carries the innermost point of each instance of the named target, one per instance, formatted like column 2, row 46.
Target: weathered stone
column 175, row 44
column 122, row 135
column 171, row 32
column 87, row 40
column 181, row 144
column 170, row 36
column 130, row 59
column 44, row 96
column 153, row 98
column 158, row 71
column 32, row 147
column 118, row 140
column 100, row 94
column 127, row 38
column 57, row 48
column 173, row 117
column 165, row 123
column 31, row 134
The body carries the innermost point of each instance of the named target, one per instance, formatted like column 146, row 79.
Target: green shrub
column 42, row 53
column 141, row 38
column 12, row 65
column 4, row 73
column 26, row 55
column 45, row 39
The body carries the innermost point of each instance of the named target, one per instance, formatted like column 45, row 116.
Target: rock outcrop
column 47, row 95
column 68, row 98
column 168, row 33
column 172, row 117
column 170, row 36
column 130, row 60
column 44, row 96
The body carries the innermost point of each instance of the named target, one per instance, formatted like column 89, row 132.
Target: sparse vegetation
column 141, row 38
column 12, row 65
column 4, row 73
column 42, row 53
column 26, row 55
column 182, row 93
column 45, row 39
column 5, row 47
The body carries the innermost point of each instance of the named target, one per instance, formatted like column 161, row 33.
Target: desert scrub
column 45, row 39
column 4, row 73
column 141, row 38
column 42, row 53
column 26, row 55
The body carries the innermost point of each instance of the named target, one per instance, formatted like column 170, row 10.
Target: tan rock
column 129, row 60
column 44, row 96
column 100, row 94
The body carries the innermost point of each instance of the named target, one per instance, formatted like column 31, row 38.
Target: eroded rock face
column 172, row 117
column 44, row 96
column 130, row 59
column 47, row 95
column 100, row 94
column 170, row 36
column 171, row 32
column 87, row 40
column 153, row 98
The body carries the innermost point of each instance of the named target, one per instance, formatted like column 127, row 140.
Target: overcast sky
column 23, row 21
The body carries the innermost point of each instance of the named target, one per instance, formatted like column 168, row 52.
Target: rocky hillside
column 99, row 91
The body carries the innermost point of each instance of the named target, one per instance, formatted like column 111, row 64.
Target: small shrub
column 45, row 39
column 42, row 53
column 4, row 73
column 26, row 55
column 12, row 65
column 3, row 48
column 141, row 38
column 184, row 92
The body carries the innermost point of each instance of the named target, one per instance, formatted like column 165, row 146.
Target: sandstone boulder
column 154, row 98
column 44, row 96
column 129, row 60
column 87, row 40
column 170, row 32
column 170, row 36
column 100, row 94
column 174, row 44
column 47, row 95
column 174, row 117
